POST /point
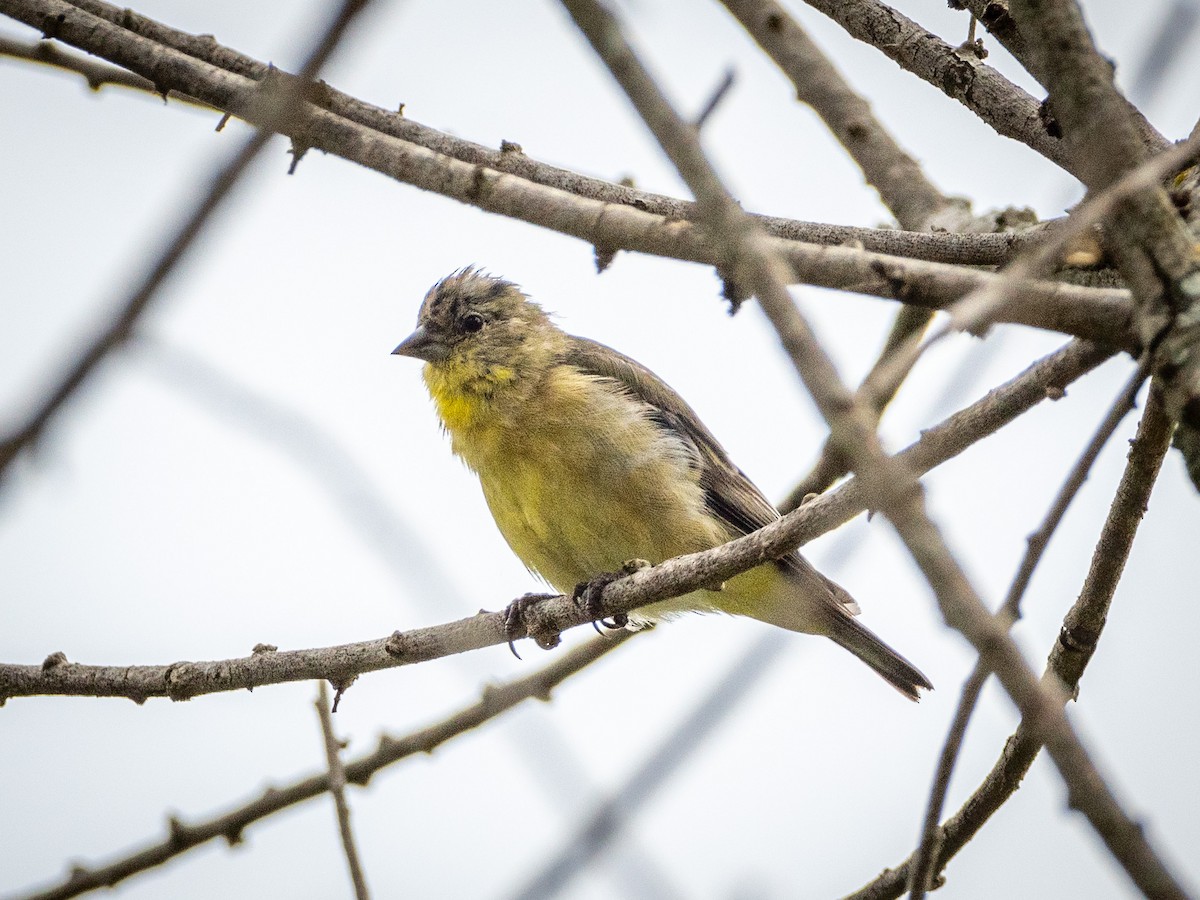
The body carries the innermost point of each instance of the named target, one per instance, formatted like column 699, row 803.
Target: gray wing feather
column 728, row 494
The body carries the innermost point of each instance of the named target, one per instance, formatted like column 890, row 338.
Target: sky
column 256, row 467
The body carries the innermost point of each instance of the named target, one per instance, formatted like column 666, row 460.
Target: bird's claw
column 587, row 595
column 518, row 623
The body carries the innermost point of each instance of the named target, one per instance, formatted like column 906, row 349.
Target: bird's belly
column 573, row 505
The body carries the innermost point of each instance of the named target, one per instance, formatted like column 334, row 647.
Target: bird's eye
column 471, row 322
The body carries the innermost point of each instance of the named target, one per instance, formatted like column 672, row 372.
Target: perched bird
column 588, row 461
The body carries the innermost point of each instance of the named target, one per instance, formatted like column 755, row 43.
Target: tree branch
column 1155, row 252
column 989, row 95
column 963, row 249
column 755, row 267
column 231, row 825
column 901, row 183
column 915, row 202
column 1094, row 314
column 1070, row 655
column 923, row 874
column 978, row 309
column 337, row 787
column 183, row 680
column 97, row 75
column 995, row 16
column 275, row 107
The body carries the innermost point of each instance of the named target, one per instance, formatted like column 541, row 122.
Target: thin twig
column 718, row 95
column 337, row 787
column 964, row 249
column 759, row 271
column 915, row 202
column 995, row 16
column 281, row 103
column 1008, row 109
column 97, row 75
column 1081, row 631
column 1095, row 314
column 902, row 185
column 1048, row 378
column 923, row 873
column 989, row 302
column 231, row 825
column 597, row 830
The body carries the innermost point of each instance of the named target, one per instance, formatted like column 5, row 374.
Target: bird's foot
column 587, row 594
column 520, row 621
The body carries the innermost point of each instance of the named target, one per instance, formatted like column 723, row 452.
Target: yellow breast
column 578, row 478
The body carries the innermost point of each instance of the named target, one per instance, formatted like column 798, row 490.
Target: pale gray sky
column 161, row 521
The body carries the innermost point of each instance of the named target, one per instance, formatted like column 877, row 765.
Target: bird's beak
column 422, row 345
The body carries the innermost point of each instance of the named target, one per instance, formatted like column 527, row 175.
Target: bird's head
column 474, row 320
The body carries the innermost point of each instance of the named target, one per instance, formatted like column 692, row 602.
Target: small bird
column 589, row 462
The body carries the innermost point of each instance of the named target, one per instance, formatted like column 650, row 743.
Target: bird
column 591, row 464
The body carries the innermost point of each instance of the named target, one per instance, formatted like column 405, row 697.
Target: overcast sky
column 256, row 467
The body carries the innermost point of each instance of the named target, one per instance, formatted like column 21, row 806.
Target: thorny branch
column 655, row 224
column 923, row 875
column 753, row 264
column 231, row 825
column 963, row 249
column 1077, row 642
column 183, row 680
column 276, row 104
column 337, row 788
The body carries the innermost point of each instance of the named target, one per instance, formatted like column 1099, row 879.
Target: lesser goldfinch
column 588, row 461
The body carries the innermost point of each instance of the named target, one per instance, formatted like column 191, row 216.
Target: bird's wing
column 728, row 493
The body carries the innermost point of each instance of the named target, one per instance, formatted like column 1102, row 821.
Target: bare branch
column 1154, row 249
column 337, row 787
column 923, row 874
column 989, row 95
column 597, row 830
column 973, row 249
column 231, row 825
column 280, row 105
column 915, row 202
column 1091, row 313
column 982, row 306
column 901, row 183
column 97, row 75
column 183, row 680
column 753, row 265
column 999, row 22
column 1068, row 658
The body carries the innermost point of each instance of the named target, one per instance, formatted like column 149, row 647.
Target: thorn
column 224, row 121
column 340, row 688
column 733, row 294
column 604, row 257
column 51, row 26
column 298, row 150
column 715, row 100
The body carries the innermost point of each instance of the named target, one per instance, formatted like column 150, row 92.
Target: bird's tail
column 866, row 645
column 797, row 597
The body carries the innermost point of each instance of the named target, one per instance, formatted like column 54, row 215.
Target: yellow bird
column 589, row 461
